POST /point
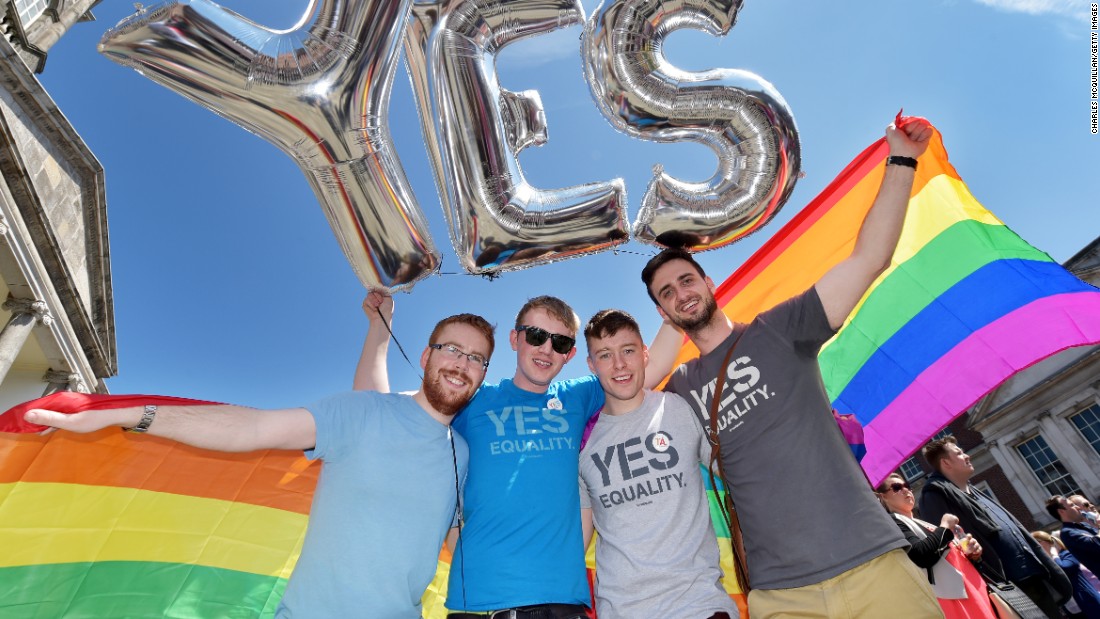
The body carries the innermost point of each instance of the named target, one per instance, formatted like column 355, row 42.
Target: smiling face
column 450, row 382
column 619, row 362
column 684, row 296
column 537, row 366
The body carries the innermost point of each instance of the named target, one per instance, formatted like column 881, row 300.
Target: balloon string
column 399, row 346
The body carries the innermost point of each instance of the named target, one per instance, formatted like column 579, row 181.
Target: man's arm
column 371, row 374
column 1084, row 546
column 662, row 354
column 841, row 288
column 221, row 427
column 933, row 504
column 586, row 526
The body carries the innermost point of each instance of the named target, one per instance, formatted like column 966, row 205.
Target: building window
column 944, row 433
column 910, row 469
column 1088, row 424
column 1047, row 467
column 30, row 10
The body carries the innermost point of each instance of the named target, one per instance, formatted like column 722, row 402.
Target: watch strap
column 146, row 420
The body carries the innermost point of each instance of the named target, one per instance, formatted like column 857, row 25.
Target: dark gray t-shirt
column 807, row 512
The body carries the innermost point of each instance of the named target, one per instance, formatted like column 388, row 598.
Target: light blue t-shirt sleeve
column 340, row 420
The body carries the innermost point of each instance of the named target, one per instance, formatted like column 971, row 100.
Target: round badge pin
column 660, row 442
column 554, row 404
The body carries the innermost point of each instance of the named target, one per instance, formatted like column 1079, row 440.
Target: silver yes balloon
column 320, row 92
column 475, row 131
column 738, row 115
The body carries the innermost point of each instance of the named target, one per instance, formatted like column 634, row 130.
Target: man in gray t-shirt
column 813, row 532
column 656, row 555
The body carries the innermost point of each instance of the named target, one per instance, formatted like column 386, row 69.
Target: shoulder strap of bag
column 726, row 506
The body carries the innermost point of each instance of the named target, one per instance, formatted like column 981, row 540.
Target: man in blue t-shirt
column 520, row 548
column 371, row 546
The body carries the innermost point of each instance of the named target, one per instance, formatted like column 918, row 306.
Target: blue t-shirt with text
column 522, row 543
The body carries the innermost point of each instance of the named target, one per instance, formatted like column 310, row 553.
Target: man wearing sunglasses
column 776, row 433
column 520, row 550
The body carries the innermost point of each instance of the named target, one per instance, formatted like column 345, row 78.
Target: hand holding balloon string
column 378, row 307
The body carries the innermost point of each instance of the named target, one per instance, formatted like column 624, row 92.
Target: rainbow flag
column 112, row 524
column 964, row 304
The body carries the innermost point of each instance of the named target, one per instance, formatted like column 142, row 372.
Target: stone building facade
column 55, row 278
column 1037, row 434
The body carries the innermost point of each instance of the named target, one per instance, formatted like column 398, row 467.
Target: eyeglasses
column 535, row 336
column 897, row 486
column 452, row 352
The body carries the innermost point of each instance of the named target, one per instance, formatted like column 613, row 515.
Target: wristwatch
column 146, row 420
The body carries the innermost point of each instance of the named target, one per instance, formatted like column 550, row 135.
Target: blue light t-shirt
column 384, row 502
column 522, row 543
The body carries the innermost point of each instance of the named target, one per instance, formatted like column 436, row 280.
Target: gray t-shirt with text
column 656, row 555
column 807, row 512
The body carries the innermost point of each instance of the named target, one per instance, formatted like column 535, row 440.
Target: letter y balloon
column 320, row 92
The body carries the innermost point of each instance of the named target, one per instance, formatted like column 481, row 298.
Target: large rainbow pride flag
column 964, row 304
column 112, row 524
column 116, row 525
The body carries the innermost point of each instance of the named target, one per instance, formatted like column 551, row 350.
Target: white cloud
column 1065, row 8
column 545, row 48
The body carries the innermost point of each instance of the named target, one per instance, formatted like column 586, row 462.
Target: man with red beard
column 387, row 492
column 834, row 552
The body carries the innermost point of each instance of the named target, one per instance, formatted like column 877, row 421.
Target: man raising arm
column 776, row 433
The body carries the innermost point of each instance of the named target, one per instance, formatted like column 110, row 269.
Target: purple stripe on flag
column 973, row 368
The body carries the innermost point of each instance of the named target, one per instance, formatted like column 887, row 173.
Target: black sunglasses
column 896, row 487
column 535, row 336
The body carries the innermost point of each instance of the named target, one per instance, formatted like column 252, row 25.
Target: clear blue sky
column 229, row 284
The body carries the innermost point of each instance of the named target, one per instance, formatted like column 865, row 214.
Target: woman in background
column 958, row 585
column 1084, row 594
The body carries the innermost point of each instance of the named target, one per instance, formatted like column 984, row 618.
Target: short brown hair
column 555, row 307
column 608, row 322
column 1054, row 505
column 937, row 450
column 473, row 320
column 663, row 258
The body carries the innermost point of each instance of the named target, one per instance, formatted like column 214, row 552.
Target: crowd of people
column 508, row 477
column 976, row 539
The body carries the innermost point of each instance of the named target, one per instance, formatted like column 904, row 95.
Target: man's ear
column 513, row 339
column 424, row 358
column 710, row 284
column 591, row 366
column 661, row 311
